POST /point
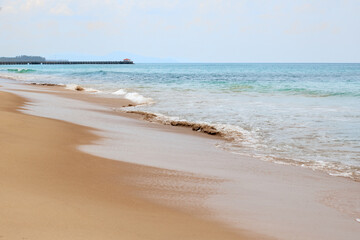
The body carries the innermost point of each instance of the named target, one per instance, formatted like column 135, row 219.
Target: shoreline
column 119, row 106
column 329, row 197
column 51, row 190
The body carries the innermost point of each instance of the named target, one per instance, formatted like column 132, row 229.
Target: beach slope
column 50, row 190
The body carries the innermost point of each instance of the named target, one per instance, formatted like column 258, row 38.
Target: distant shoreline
column 64, row 62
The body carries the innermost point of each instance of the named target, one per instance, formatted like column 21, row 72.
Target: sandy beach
column 179, row 120
column 72, row 168
column 50, row 190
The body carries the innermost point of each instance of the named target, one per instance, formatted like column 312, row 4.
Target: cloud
column 275, row 12
column 298, row 28
column 30, row 4
column 61, row 9
column 22, row 6
column 31, row 7
column 95, row 25
column 307, row 7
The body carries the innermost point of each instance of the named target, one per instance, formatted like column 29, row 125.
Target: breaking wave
column 9, row 77
column 16, row 70
column 235, row 135
column 134, row 97
column 76, row 87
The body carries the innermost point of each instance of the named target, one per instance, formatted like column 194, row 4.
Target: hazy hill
column 23, row 58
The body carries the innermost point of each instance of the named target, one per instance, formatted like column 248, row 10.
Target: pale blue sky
column 194, row 30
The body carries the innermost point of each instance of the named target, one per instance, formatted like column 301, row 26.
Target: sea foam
column 120, row 92
column 134, row 97
column 76, row 87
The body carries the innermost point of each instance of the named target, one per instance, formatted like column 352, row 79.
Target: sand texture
column 50, row 190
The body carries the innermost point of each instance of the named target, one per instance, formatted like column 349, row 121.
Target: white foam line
column 133, row 96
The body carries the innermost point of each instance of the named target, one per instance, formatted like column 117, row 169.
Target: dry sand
column 50, row 190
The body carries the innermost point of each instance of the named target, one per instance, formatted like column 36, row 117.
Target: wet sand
column 187, row 174
column 51, row 190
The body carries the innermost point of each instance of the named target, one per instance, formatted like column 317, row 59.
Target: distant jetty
column 37, row 60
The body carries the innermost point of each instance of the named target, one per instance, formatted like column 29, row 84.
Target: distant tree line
column 23, row 58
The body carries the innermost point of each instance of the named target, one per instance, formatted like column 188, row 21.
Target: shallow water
column 305, row 114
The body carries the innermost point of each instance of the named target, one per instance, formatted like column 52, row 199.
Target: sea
column 305, row 114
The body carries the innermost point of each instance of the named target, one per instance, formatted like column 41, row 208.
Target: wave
column 79, row 88
column 89, row 73
column 199, row 127
column 9, row 77
column 134, row 97
column 308, row 91
column 16, row 70
column 227, row 131
column 233, row 135
column 318, row 93
column 120, row 92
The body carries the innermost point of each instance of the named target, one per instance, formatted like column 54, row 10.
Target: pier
column 63, row 62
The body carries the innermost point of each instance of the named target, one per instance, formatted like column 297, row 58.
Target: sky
column 184, row 30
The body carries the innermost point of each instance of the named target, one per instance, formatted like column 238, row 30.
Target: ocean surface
column 301, row 114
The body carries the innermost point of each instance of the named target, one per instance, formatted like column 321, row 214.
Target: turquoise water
column 303, row 114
